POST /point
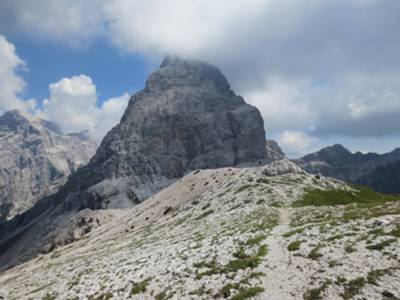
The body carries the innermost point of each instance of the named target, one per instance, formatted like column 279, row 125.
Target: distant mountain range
column 381, row 172
column 35, row 160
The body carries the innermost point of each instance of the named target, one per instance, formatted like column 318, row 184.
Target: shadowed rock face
column 35, row 160
column 185, row 118
column 381, row 172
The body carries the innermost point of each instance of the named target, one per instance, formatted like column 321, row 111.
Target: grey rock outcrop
column 35, row 160
column 381, row 172
column 274, row 151
column 281, row 167
column 186, row 118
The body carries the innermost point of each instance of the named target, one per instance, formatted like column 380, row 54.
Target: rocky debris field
column 271, row 232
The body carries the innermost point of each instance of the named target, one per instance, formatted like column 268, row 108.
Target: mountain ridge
column 375, row 170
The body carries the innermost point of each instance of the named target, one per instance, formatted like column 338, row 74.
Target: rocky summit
column 186, row 118
column 35, row 160
column 381, row 172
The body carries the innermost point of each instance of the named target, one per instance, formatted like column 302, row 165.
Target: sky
column 320, row 72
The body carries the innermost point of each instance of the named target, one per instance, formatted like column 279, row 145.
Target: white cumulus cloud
column 73, row 106
column 71, row 22
column 186, row 27
column 297, row 143
column 11, row 83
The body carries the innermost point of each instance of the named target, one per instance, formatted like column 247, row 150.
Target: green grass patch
column 333, row 263
column 314, row 253
column 206, row 206
column 381, row 245
column 361, row 194
column 350, row 248
column 164, row 295
column 205, row 214
column 200, row 291
column 396, row 232
column 293, row 232
column 243, row 188
column 374, row 275
column 105, row 296
column 316, row 293
column 294, row 246
column 335, row 237
column 140, row 287
column 238, row 286
column 263, row 180
column 255, row 240
column 49, row 297
column 248, row 293
column 353, row 287
column 367, row 211
column 242, row 261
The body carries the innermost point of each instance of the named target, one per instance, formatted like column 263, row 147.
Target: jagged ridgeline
column 187, row 117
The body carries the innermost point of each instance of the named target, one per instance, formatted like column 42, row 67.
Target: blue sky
column 319, row 72
column 113, row 71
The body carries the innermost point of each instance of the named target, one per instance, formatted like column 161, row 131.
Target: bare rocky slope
column 35, row 160
column 271, row 232
column 218, row 222
column 381, row 172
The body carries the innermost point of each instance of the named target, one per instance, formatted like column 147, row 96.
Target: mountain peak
column 171, row 60
column 337, row 148
column 178, row 72
column 15, row 115
column 19, row 121
column 186, row 118
column 16, row 120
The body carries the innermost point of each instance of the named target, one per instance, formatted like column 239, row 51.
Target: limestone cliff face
column 35, row 160
column 187, row 117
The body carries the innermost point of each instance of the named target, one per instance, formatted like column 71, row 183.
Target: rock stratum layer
column 35, row 160
column 381, row 172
